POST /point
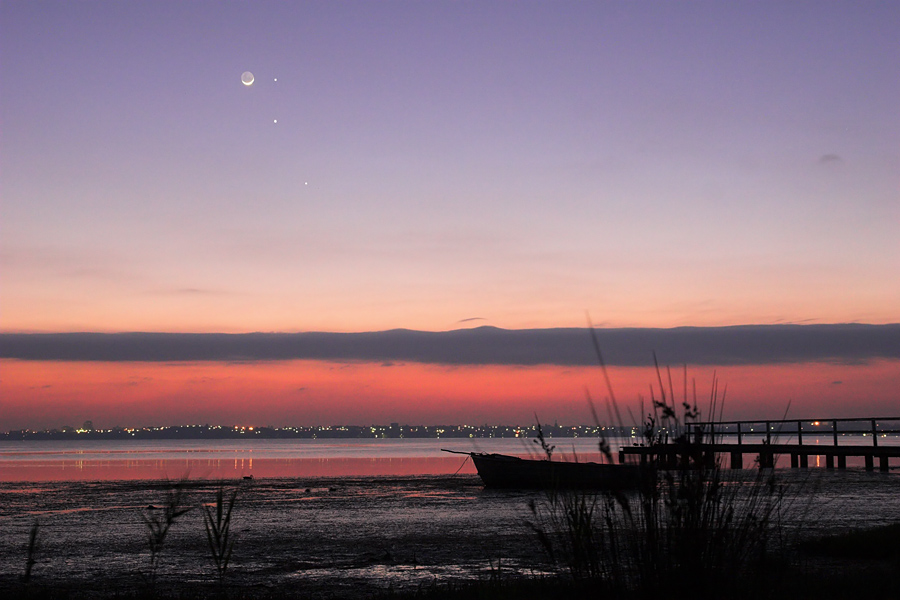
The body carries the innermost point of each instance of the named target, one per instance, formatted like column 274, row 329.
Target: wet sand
column 319, row 538
column 330, row 537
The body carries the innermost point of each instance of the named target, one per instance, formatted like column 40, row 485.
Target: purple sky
column 654, row 163
column 436, row 166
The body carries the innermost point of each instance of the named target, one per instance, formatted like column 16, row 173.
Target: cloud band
column 750, row 344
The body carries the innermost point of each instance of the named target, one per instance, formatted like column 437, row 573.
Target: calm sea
column 234, row 459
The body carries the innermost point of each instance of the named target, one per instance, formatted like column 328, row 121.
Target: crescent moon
column 247, row 78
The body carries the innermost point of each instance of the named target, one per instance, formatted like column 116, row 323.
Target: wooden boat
column 503, row 471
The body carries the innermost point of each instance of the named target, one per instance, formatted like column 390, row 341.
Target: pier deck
column 858, row 437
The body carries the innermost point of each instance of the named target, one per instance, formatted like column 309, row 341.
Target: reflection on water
column 234, row 459
column 173, row 469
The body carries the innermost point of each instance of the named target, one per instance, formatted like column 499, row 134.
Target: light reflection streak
column 73, row 470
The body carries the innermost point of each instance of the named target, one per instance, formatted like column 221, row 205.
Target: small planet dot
column 275, row 121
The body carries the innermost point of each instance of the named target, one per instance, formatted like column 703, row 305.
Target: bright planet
column 247, row 78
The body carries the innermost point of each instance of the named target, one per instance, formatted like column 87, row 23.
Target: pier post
column 737, row 460
column 794, row 459
column 672, row 459
column 829, row 461
column 766, row 460
column 804, row 461
column 621, row 456
column 883, row 463
column 870, row 462
column 842, row 462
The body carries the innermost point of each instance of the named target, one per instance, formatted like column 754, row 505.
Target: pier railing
column 835, row 428
column 768, row 438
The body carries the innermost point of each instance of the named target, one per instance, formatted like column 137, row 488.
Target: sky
column 435, row 166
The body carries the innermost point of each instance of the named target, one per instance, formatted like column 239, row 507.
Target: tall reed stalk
column 158, row 521
column 218, row 531
column 31, row 551
column 692, row 529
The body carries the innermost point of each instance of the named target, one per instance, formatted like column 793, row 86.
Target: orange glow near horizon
column 41, row 395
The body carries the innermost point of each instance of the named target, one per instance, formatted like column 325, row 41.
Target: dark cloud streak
column 751, row 344
column 830, row 159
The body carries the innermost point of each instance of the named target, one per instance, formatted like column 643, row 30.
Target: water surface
column 321, row 516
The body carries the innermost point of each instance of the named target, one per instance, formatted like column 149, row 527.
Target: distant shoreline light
column 851, row 426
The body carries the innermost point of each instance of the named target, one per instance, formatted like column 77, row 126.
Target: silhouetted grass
column 692, row 529
column 30, row 552
column 218, row 531
column 158, row 522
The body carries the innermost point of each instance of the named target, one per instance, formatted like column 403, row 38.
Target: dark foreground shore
column 428, row 537
column 319, row 538
column 827, row 579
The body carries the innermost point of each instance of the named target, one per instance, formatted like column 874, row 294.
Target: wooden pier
column 848, row 437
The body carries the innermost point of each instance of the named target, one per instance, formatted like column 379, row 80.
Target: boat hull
column 502, row 471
